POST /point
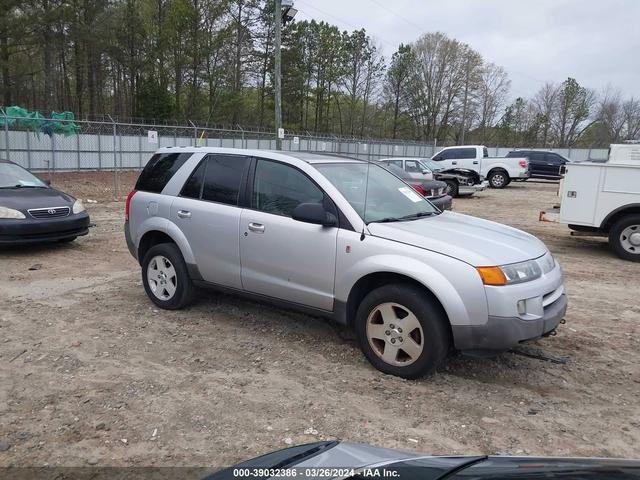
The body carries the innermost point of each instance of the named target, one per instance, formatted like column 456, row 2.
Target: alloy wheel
column 162, row 277
column 395, row 334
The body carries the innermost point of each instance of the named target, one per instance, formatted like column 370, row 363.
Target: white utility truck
column 499, row 171
column 603, row 199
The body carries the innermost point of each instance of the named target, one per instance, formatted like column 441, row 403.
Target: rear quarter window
column 159, row 170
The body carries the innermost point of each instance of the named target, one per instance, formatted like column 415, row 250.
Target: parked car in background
column 459, row 181
column 31, row 211
column 603, row 199
column 335, row 459
column 546, row 165
column 499, row 171
column 345, row 239
column 433, row 190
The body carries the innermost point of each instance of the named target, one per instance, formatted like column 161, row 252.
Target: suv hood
column 473, row 240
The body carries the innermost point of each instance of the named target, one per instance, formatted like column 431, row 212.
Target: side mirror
column 314, row 213
column 425, row 171
column 437, row 158
column 47, row 182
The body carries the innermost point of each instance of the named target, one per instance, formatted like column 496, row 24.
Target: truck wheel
column 452, row 188
column 499, row 179
column 624, row 238
column 401, row 331
column 165, row 277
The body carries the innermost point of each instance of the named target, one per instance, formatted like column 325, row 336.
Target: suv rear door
column 282, row 257
column 207, row 213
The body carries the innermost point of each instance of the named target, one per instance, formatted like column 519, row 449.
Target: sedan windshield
column 14, row 176
column 430, row 164
column 385, row 199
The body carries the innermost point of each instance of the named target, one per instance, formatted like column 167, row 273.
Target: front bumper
column 471, row 189
column 443, row 203
column 503, row 333
column 28, row 230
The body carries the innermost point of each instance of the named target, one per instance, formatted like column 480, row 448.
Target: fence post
column 195, row 133
column 115, row 159
column 6, row 133
column 28, row 150
column 52, row 165
column 78, row 148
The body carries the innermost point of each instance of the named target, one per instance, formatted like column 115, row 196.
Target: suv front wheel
column 165, row 277
column 402, row 331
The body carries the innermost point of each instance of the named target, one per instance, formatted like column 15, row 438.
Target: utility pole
column 278, row 71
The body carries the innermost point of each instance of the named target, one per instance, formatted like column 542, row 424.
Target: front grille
column 49, row 212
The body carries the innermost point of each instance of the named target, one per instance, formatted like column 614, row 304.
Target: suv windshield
column 14, row 176
column 388, row 199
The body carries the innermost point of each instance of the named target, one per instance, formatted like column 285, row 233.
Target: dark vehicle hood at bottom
column 26, row 198
column 356, row 461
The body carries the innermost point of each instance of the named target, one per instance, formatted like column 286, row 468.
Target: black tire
column 435, row 340
column 498, row 178
column 184, row 289
column 619, row 240
column 452, row 188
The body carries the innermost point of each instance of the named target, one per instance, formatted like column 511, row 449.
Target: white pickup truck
column 499, row 171
column 603, row 199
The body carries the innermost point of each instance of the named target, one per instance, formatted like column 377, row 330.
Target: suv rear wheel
column 624, row 238
column 401, row 331
column 165, row 277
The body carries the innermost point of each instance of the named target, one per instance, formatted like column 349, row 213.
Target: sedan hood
column 473, row 240
column 25, row 198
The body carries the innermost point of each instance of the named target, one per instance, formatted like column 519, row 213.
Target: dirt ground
column 92, row 374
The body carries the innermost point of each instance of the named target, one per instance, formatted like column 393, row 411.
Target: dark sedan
column 31, row 211
column 324, row 460
column 433, row 190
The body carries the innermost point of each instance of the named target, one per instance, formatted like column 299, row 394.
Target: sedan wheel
column 162, row 278
column 395, row 334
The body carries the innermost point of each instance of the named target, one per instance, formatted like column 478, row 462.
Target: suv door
column 282, row 257
column 554, row 164
column 207, row 213
column 537, row 164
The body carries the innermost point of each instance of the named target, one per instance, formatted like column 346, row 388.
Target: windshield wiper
column 413, row 216
column 24, row 186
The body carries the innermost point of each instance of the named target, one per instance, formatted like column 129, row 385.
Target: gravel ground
column 92, row 373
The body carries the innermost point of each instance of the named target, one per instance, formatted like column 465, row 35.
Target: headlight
column 510, row 274
column 78, row 207
column 11, row 213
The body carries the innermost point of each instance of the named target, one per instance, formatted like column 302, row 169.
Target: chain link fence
column 110, row 146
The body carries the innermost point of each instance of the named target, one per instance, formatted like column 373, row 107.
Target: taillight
column 523, row 163
column 127, row 204
column 420, row 190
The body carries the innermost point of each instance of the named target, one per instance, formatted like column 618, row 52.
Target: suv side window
column 537, row 156
column 554, row 158
column 193, row 186
column 159, row 170
column 222, row 177
column 445, row 154
column 279, row 188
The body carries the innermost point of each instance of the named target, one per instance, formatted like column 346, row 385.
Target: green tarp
column 61, row 123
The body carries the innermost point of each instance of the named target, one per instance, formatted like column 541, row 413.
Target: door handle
column 475, row 162
column 454, row 163
column 256, row 227
column 184, row 214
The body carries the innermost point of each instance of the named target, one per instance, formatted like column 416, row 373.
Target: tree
column 571, row 112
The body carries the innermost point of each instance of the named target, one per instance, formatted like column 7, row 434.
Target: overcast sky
column 595, row 41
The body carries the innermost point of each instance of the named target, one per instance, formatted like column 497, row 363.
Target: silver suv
column 344, row 239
